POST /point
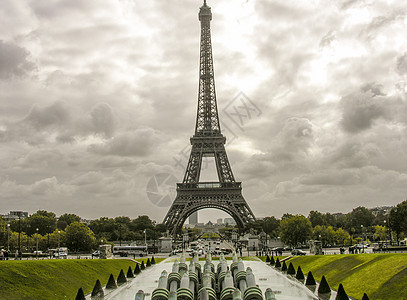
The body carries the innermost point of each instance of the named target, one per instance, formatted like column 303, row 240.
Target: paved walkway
column 266, row 277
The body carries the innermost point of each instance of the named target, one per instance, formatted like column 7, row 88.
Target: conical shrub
column 272, row 262
column 284, row 267
column 323, row 287
column 300, row 275
column 365, row 297
column 341, row 294
column 291, row 270
column 148, row 263
column 278, row 264
column 142, row 267
column 80, row 295
column 267, row 258
column 97, row 292
column 310, row 279
column 153, row 261
column 121, row 278
column 111, row 283
column 129, row 273
column 137, row 269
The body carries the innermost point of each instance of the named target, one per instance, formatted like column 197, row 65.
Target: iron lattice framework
column 193, row 195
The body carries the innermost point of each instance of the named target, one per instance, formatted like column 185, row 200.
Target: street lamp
column 145, row 239
column 385, row 228
column 19, row 233
column 323, row 252
column 58, row 238
column 8, row 237
column 363, row 247
column 234, row 238
column 120, row 234
column 36, row 248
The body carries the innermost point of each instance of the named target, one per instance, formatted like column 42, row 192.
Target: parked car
column 278, row 250
column 297, row 252
column 96, row 253
column 226, row 251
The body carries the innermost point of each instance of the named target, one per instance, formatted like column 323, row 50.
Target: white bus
column 130, row 250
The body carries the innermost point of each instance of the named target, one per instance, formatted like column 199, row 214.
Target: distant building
column 381, row 210
column 219, row 221
column 15, row 215
column 193, row 219
column 230, row 221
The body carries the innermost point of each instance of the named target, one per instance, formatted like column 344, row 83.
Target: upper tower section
column 207, row 120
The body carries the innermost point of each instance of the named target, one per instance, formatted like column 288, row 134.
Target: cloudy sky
column 98, row 99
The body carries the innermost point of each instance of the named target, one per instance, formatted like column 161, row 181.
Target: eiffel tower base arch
column 193, row 197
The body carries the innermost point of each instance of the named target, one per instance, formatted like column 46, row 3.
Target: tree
column 398, row 219
column 160, row 228
column 142, row 223
column 256, row 226
column 79, row 237
column 46, row 222
column 104, row 227
column 286, row 216
column 340, row 220
column 67, row 219
column 341, row 237
column 295, row 230
column 325, row 234
column 360, row 216
column 330, row 220
column 380, row 233
column 316, row 218
column 3, row 231
column 271, row 225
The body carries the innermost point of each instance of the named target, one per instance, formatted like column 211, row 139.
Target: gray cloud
column 361, row 110
column 103, row 120
column 327, row 39
column 401, row 64
column 54, row 115
column 139, row 142
column 14, row 61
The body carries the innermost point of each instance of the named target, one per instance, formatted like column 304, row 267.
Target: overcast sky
column 98, row 98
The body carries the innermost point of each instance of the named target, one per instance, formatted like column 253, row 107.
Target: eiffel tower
column 208, row 141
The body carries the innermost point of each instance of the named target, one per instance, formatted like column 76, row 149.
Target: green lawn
column 381, row 276
column 56, row 279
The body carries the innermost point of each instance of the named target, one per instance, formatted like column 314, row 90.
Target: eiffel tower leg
column 190, row 200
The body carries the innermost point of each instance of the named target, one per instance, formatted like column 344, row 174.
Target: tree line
column 46, row 230
column 337, row 229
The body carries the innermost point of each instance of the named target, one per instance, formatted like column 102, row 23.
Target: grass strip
column 381, row 276
column 56, row 279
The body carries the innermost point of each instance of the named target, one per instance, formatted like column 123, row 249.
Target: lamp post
column 8, row 237
column 363, row 247
column 145, row 239
column 58, row 237
column 234, row 238
column 120, row 234
column 36, row 247
column 385, row 229
column 19, row 234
